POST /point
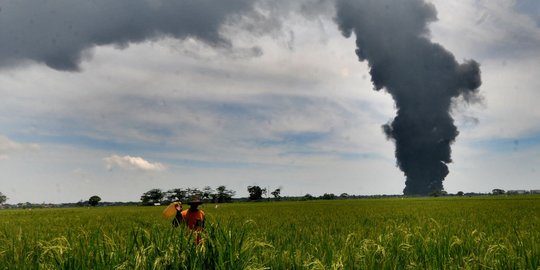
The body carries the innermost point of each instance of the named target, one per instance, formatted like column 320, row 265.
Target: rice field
column 412, row 233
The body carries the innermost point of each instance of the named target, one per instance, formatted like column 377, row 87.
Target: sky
column 114, row 98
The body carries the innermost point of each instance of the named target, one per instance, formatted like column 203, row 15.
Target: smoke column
column 422, row 77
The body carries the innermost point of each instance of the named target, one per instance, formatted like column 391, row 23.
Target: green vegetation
column 413, row 233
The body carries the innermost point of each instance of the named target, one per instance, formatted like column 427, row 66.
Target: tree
column 498, row 191
column 193, row 192
column 255, row 193
column 276, row 193
column 460, row 193
column 81, row 203
column 176, row 194
column 344, row 195
column 207, row 193
column 152, row 196
column 437, row 193
column 3, row 198
column 308, row 197
column 328, row 196
column 224, row 195
column 94, row 200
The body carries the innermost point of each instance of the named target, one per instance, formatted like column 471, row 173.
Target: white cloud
column 485, row 29
column 132, row 163
column 507, row 45
column 212, row 107
column 8, row 147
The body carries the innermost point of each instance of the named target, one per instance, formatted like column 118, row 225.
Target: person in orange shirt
column 192, row 217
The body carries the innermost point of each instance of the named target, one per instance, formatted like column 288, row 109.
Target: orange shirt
column 194, row 220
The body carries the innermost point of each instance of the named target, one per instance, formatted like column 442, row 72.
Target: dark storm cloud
column 422, row 77
column 59, row 33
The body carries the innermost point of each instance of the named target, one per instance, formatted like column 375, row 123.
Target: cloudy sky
column 113, row 98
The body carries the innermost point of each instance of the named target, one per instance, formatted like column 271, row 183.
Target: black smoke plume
column 422, row 77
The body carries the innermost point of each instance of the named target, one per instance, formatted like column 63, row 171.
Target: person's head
column 194, row 203
column 178, row 206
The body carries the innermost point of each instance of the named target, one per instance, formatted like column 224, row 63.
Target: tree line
column 218, row 195
column 223, row 195
column 256, row 193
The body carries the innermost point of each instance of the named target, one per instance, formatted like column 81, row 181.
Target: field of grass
column 413, row 233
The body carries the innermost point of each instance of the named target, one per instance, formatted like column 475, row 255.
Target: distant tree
column 176, row 194
column 255, row 193
column 207, row 193
column 214, row 197
column 460, row 193
column 437, row 193
column 94, row 200
column 308, row 197
column 498, row 191
column 193, row 192
column 152, row 196
column 3, row 198
column 224, row 195
column 344, row 195
column 328, row 196
column 81, row 203
column 276, row 193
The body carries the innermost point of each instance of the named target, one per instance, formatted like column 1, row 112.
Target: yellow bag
column 170, row 211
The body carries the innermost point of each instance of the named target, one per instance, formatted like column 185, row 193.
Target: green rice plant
column 411, row 233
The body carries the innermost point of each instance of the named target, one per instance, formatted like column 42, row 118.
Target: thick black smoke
column 60, row 32
column 422, row 77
